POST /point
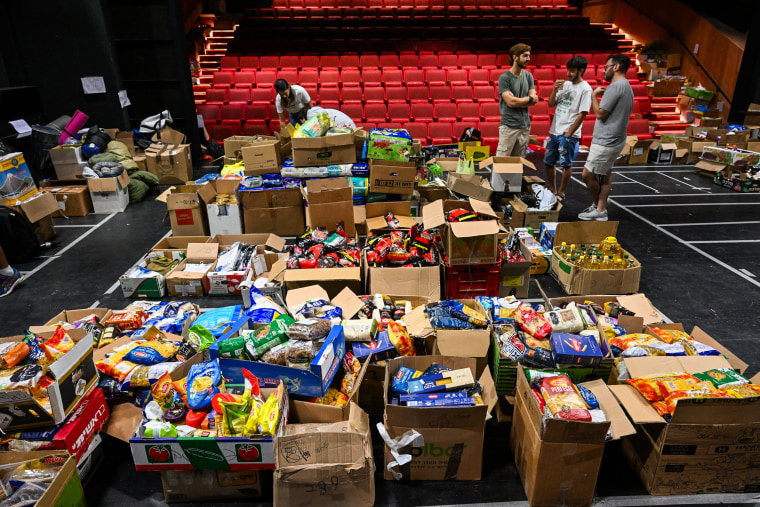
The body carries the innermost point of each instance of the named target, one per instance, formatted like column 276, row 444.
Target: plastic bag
column 309, row 329
column 153, row 352
column 400, row 339
column 650, row 387
column 262, row 340
column 203, row 382
column 532, row 322
column 562, row 400
column 466, row 166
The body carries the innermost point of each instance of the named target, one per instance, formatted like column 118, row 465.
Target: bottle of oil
column 582, row 261
column 572, row 260
column 631, row 263
column 593, row 262
column 563, row 248
column 619, row 264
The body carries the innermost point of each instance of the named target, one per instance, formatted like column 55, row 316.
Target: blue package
column 588, row 397
column 360, row 201
column 380, row 349
column 261, row 315
column 456, row 398
column 288, row 162
column 202, row 384
column 272, row 180
column 576, row 349
column 144, row 354
column 402, row 378
column 216, row 320
column 360, row 169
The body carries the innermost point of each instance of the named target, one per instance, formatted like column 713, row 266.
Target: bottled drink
column 563, row 248
column 572, row 247
column 572, row 260
column 631, row 263
column 619, row 264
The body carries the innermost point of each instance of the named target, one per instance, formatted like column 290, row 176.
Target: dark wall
column 51, row 45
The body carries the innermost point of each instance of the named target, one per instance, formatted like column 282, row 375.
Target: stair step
column 216, row 45
column 209, row 58
column 665, row 117
column 220, row 52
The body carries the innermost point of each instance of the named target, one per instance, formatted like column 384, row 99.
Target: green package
column 722, row 377
column 258, row 342
column 200, row 337
column 232, row 348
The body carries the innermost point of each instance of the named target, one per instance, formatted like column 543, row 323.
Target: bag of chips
column 670, row 335
column 145, row 376
column 269, row 414
column 58, row 344
column 562, row 400
column 650, row 388
column 164, row 393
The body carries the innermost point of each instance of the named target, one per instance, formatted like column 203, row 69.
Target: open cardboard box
column 446, row 431
column 279, row 211
column 186, row 207
column 39, row 209
column 577, row 280
column 337, row 453
column 637, row 150
column 109, row 195
column 144, row 286
column 69, row 316
column 191, row 283
column 228, row 282
column 329, row 202
column 559, row 460
column 506, row 172
column 170, row 163
column 64, row 489
column 470, row 185
column 708, row 446
column 466, row 242
column 224, row 218
column 175, row 247
column 74, row 375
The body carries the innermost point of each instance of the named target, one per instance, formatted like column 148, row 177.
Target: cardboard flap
column 123, row 179
column 642, row 307
column 379, row 223
column 463, row 343
column 490, row 398
column 349, row 302
column 418, row 324
column 125, row 417
column 619, row 423
column 702, row 337
column 584, row 232
column 296, row 297
column 481, row 207
column 202, row 251
column 708, row 166
column 638, row 408
column 227, row 185
column 275, row 242
column 433, row 215
column 164, row 196
column 472, row 229
column 277, row 268
column 39, row 206
column 659, row 365
column 207, row 192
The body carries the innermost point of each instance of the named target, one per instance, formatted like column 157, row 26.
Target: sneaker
column 594, row 214
column 589, row 209
column 8, row 283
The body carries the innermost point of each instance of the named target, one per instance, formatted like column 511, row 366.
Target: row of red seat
column 417, row 3
column 406, row 60
column 423, row 13
column 440, row 132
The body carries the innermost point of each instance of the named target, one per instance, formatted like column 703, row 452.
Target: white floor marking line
column 708, row 223
column 95, row 304
column 748, row 273
column 724, row 241
column 640, row 183
column 692, row 171
column 681, row 181
column 112, row 287
column 667, row 195
column 694, row 204
column 59, row 226
column 670, row 234
column 45, row 263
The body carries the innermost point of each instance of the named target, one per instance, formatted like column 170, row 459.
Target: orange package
column 630, row 340
column 649, row 387
column 58, row 344
column 670, row 335
column 672, row 399
column 17, row 354
column 400, row 339
column 744, row 391
column 131, row 319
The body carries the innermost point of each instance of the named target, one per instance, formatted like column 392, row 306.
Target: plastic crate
column 472, row 280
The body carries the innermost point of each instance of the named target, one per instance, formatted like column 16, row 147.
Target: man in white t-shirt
column 573, row 101
column 291, row 98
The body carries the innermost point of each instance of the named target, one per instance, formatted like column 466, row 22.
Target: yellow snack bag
column 270, row 412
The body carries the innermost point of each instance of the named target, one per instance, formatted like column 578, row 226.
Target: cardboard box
column 169, row 163
column 191, row 283
column 210, row 485
column 752, row 115
column 228, row 282
column 126, row 138
column 576, row 280
column 67, row 317
column 466, row 242
column 448, row 164
column 175, row 247
column 637, row 150
column 725, row 136
column 278, row 211
column 186, row 205
column 109, row 195
column 320, row 151
column 665, row 87
column 524, row 217
column 371, row 390
column 432, row 193
column 665, row 153
column 392, row 177
column 736, row 180
column 234, row 145
column 224, row 218
column 168, row 135
column 74, row 375
column 451, row 447
column 728, row 156
column 514, row 278
column 709, row 446
column 506, row 172
column 262, row 157
column 16, row 181
column 559, row 460
column 228, row 453
column 415, row 281
column 73, row 200
column 470, row 185
column 64, row 489
column 334, row 454
column 143, row 286
column 39, row 209
column 329, row 202
column 68, row 162
column 694, row 148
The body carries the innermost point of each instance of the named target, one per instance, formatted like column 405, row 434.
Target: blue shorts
column 561, row 151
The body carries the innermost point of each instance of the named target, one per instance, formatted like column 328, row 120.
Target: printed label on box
column 184, row 216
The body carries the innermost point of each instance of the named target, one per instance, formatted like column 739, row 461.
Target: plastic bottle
column 631, row 263
column 563, row 248
column 582, row 262
column 572, row 260
column 572, row 247
column 619, row 264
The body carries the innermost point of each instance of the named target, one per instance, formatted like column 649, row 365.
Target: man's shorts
column 601, row 158
column 561, row 151
column 512, row 142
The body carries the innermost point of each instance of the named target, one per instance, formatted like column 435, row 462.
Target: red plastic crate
column 471, row 280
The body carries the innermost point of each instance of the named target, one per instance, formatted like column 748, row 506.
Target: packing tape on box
column 411, row 437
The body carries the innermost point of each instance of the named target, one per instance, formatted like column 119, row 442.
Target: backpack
column 17, row 237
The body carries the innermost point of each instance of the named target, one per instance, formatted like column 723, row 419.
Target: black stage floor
column 699, row 245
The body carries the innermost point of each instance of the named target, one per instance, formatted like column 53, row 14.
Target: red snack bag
column 562, row 400
column 532, row 323
column 400, row 339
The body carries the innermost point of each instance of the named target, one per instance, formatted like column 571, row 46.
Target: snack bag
column 115, row 366
column 744, row 391
column 400, row 339
column 181, row 387
column 671, row 400
column 145, row 376
column 462, row 312
column 232, row 348
column 562, row 400
column 164, row 392
column 670, row 335
column 15, row 354
column 203, row 382
column 722, row 378
column 58, row 344
column 532, row 323
column 649, row 387
column 270, row 412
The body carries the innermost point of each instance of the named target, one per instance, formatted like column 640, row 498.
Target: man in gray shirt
column 612, row 115
column 517, row 93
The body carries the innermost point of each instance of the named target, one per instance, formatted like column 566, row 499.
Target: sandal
column 560, row 198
